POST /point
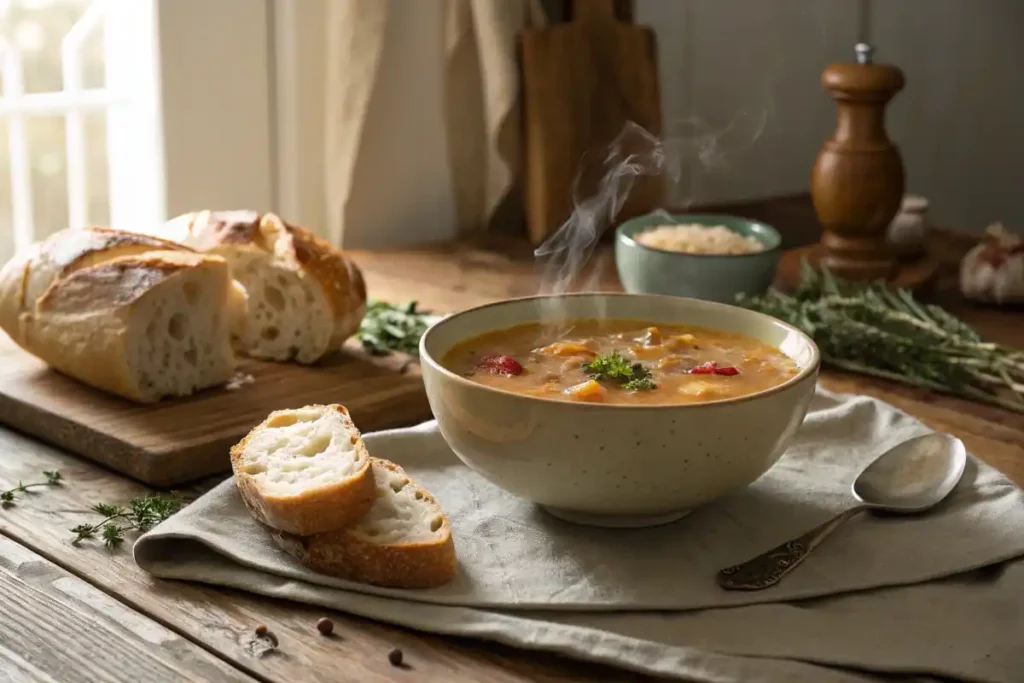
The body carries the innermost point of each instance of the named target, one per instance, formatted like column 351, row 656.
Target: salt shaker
column 908, row 229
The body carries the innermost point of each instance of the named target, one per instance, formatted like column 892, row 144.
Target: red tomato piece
column 501, row 365
column 704, row 368
column 711, row 368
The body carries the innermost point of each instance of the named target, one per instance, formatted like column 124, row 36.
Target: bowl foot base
column 615, row 521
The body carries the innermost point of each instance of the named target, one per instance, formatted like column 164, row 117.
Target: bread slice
column 404, row 541
column 305, row 471
column 305, row 296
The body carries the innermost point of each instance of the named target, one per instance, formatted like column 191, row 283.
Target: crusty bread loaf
column 304, row 471
column 404, row 541
column 131, row 314
column 305, row 296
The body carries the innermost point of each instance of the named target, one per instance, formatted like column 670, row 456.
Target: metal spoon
column 909, row 478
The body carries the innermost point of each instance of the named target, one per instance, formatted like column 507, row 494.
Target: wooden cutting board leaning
column 582, row 82
column 177, row 441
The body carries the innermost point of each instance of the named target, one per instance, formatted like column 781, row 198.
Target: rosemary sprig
column 141, row 514
column 871, row 329
column 53, row 478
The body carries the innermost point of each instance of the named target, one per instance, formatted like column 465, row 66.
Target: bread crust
column 207, row 230
column 351, row 555
column 327, row 508
column 13, row 281
column 337, row 276
column 31, row 273
column 80, row 324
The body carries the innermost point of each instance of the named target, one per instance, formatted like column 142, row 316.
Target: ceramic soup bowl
column 616, row 465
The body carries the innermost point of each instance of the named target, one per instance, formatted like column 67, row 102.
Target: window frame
column 166, row 152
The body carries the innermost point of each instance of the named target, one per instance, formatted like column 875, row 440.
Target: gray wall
column 751, row 70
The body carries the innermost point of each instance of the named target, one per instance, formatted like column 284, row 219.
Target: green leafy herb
column 615, row 368
column 612, row 367
column 53, row 478
column 640, row 384
column 874, row 330
column 141, row 514
column 388, row 327
column 112, row 535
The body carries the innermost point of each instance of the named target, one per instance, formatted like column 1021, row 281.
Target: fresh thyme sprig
column 871, row 329
column 141, row 514
column 53, row 478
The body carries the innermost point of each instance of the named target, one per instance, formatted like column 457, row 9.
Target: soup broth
column 621, row 362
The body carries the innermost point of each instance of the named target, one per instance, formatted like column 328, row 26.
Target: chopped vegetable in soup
column 622, row 362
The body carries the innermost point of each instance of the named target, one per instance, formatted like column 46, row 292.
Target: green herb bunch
column 141, row 514
column 53, row 478
column 613, row 367
column 388, row 327
column 872, row 329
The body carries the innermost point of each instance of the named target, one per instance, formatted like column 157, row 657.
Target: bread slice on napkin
column 304, row 471
column 403, row 542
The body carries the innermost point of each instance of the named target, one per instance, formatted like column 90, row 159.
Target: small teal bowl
column 712, row 277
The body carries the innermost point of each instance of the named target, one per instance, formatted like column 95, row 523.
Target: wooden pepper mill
column 857, row 182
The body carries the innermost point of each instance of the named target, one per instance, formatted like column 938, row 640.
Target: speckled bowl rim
column 811, row 369
column 628, row 240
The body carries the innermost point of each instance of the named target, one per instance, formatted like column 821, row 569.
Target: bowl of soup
column 715, row 257
column 617, row 409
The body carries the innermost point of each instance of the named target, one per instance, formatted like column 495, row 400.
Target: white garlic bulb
column 993, row 271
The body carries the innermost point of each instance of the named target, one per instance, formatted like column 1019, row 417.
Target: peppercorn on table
column 82, row 612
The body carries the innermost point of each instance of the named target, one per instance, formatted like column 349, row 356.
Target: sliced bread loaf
column 305, row 471
column 305, row 296
column 404, row 541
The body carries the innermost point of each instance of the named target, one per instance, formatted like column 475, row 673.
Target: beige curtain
column 481, row 99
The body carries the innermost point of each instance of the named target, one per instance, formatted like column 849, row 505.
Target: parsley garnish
column 387, row 327
column 141, row 514
column 640, row 383
column 615, row 368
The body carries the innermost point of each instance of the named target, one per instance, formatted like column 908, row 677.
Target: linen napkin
column 932, row 595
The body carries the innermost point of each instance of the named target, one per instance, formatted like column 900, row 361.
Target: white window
column 126, row 112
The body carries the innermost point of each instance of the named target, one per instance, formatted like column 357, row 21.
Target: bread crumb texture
column 401, row 512
column 301, row 450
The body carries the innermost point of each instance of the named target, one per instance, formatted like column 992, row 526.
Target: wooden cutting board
column 181, row 440
column 582, row 81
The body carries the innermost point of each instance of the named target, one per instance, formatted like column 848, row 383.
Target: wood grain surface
column 57, row 627
column 582, row 81
column 181, row 440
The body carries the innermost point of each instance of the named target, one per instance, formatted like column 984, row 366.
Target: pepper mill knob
column 857, row 182
column 864, row 52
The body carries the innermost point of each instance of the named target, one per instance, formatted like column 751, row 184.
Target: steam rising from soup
column 564, row 257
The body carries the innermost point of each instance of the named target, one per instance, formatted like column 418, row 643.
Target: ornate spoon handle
column 768, row 569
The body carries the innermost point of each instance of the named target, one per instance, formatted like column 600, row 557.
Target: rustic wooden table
column 88, row 614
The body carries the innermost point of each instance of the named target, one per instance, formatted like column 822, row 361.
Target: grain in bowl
column 695, row 238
